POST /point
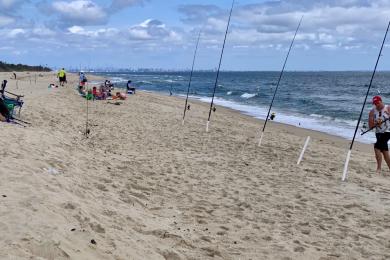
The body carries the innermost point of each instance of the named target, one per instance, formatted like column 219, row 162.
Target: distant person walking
column 379, row 118
column 82, row 80
column 62, row 77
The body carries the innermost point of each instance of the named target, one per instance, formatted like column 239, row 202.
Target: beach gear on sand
column 186, row 105
column 279, row 80
column 219, row 68
column 272, row 117
column 13, row 101
column 89, row 95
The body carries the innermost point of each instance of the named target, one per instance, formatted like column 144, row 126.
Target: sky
column 335, row 34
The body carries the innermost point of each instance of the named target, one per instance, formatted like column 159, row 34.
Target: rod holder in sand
column 345, row 172
column 303, row 150
column 261, row 139
column 182, row 122
column 207, row 126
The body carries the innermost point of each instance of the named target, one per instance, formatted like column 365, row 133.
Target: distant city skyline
column 336, row 35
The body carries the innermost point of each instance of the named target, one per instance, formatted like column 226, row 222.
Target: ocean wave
column 248, row 95
column 145, row 82
column 117, row 80
column 325, row 124
column 229, row 93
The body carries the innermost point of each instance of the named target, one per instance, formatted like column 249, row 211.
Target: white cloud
column 16, row 33
column 104, row 32
column 80, row 12
column 6, row 20
column 152, row 29
column 330, row 24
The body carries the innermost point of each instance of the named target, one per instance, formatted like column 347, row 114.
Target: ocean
column 328, row 102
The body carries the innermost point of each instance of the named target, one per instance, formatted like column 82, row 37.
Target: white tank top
column 382, row 115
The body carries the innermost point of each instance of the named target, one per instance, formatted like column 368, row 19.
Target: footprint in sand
column 97, row 228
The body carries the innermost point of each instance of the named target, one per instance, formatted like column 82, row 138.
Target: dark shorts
column 381, row 141
column 62, row 79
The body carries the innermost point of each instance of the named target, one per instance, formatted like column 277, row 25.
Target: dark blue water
column 326, row 101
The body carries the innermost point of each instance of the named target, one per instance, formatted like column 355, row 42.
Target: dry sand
column 144, row 187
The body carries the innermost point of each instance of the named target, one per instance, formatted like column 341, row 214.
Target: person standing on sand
column 130, row 88
column 379, row 118
column 62, row 77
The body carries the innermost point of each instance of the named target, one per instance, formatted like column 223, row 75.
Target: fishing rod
column 279, row 80
column 345, row 172
column 87, row 131
column 212, row 108
column 186, row 106
column 372, row 128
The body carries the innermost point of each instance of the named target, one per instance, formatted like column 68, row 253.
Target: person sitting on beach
column 379, row 119
column 94, row 93
column 120, row 96
column 62, row 77
column 130, row 88
column 103, row 92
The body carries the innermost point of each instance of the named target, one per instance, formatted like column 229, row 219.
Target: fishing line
column 278, row 84
column 212, row 108
column 186, row 106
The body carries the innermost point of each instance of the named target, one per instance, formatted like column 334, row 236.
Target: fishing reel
column 87, row 132
column 364, row 127
column 214, row 109
column 272, row 117
column 189, row 107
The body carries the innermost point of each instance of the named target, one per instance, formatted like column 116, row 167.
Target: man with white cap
column 379, row 119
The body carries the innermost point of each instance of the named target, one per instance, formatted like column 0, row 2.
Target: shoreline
column 317, row 122
column 303, row 132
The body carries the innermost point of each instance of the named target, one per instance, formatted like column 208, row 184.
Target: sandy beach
column 142, row 186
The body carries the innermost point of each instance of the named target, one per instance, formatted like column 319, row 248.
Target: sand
column 142, row 186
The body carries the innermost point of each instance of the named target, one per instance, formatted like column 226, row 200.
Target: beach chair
column 13, row 100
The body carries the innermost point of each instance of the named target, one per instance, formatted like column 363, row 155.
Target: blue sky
column 335, row 34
